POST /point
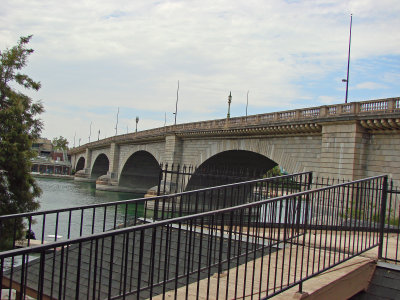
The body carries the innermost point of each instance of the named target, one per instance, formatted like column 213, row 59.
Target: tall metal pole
column 137, row 121
column 348, row 61
column 74, row 138
column 229, row 105
column 247, row 103
column 116, row 125
column 176, row 106
column 90, row 131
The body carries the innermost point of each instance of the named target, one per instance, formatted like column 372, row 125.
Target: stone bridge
column 349, row 141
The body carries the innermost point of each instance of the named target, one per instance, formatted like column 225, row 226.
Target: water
column 58, row 193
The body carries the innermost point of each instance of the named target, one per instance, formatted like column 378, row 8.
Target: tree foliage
column 19, row 127
column 60, row 143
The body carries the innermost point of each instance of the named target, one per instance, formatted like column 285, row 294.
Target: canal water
column 60, row 193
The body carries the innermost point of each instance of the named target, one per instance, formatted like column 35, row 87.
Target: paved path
column 272, row 272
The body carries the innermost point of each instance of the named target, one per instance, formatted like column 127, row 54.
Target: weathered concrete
column 346, row 141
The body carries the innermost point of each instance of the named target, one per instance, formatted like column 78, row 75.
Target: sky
column 94, row 57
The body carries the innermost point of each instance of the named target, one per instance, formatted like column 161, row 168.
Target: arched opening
column 229, row 167
column 100, row 166
column 224, row 168
column 140, row 172
column 80, row 164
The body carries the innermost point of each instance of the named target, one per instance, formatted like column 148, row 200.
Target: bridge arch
column 100, row 166
column 80, row 165
column 228, row 167
column 284, row 151
column 140, row 172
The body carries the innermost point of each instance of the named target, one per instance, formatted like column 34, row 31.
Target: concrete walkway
column 273, row 272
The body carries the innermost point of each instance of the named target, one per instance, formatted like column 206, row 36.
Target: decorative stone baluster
column 391, row 104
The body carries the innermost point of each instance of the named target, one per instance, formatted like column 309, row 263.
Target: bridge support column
column 88, row 160
column 84, row 175
column 109, row 182
column 173, row 150
column 114, row 160
column 343, row 153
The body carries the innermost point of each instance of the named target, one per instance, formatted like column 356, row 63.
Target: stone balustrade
column 310, row 115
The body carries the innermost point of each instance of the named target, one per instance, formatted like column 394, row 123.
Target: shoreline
column 55, row 176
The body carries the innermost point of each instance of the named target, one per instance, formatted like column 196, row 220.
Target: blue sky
column 95, row 56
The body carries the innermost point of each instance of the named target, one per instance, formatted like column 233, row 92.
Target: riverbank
column 55, row 176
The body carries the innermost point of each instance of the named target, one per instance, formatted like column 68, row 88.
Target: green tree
column 19, row 127
column 60, row 143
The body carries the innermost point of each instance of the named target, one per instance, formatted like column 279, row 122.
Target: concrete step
column 341, row 282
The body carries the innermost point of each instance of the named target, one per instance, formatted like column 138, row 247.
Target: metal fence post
column 306, row 216
column 382, row 215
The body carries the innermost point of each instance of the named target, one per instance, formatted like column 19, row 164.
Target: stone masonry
column 346, row 141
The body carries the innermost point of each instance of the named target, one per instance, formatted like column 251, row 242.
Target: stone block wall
column 293, row 153
column 343, row 152
column 383, row 156
column 156, row 149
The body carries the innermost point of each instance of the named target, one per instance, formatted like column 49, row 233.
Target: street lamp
column 247, row 103
column 116, row 125
column 176, row 105
column 229, row 105
column 348, row 62
column 137, row 121
column 90, row 131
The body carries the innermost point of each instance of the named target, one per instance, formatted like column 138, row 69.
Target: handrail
column 145, row 260
column 89, row 219
column 179, row 219
column 138, row 200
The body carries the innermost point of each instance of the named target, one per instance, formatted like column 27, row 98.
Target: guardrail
column 391, row 226
column 252, row 250
column 390, row 105
column 68, row 223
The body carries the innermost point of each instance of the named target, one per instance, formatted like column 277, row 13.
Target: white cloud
column 101, row 54
column 369, row 86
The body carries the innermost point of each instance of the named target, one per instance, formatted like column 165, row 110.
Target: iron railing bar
column 129, row 201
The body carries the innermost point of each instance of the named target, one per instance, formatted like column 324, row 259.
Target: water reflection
column 59, row 194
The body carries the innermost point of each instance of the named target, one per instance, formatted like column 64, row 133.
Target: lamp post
column 116, row 125
column 90, row 131
column 137, row 121
column 176, row 105
column 229, row 105
column 98, row 136
column 247, row 103
column 348, row 62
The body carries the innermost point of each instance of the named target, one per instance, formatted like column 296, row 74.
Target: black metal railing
column 256, row 249
column 67, row 223
column 391, row 240
column 391, row 225
column 176, row 178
